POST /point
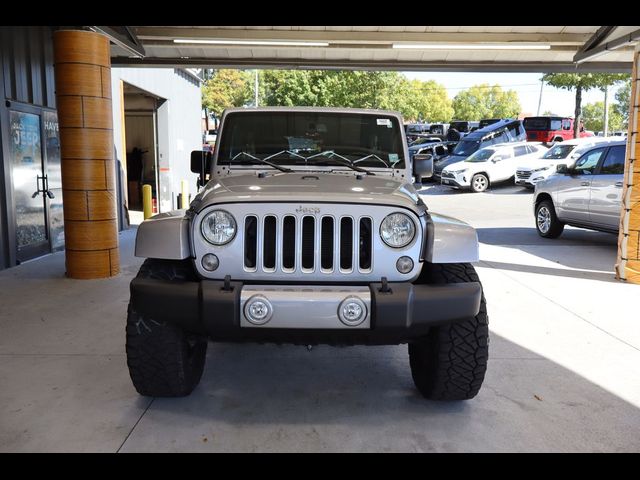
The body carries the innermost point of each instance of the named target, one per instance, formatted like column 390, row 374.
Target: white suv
column 562, row 153
column 489, row 165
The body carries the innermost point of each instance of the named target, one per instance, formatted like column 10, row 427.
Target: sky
column 527, row 85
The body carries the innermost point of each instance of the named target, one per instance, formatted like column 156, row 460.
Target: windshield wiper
column 330, row 154
column 263, row 161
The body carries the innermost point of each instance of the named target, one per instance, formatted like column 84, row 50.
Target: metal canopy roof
column 442, row 48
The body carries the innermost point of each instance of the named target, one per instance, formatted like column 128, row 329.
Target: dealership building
column 120, row 128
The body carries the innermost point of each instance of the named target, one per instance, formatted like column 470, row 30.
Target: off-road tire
column 477, row 178
column 556, row 227
column 163, row 359
column 451, row 361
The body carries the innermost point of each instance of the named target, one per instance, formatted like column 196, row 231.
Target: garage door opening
column 141, row 137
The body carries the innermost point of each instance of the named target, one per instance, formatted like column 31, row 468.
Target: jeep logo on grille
column 313, row 210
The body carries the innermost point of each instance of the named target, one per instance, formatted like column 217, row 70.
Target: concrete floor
column 564, row 369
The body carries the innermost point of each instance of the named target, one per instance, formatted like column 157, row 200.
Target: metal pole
column 256, row 89
column 540, row 97
column 606, row 111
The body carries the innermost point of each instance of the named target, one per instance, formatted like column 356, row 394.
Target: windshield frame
column 405, row 170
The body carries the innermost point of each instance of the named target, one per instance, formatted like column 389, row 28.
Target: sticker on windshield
column 384, row 121
column 393, row 158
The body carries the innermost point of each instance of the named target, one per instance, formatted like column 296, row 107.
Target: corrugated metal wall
column 27, row 64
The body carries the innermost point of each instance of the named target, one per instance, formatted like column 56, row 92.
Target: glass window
column 521, row 150
column 291, row 137
column 588, row 162
column 614, row 162
column 558, row 151
column 481, row 155
column 556, row 124
column 536, row 123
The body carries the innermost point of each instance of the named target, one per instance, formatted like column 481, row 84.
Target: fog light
column 404, row 264
column 210, row 262
column 258, row 310
column 352, row 311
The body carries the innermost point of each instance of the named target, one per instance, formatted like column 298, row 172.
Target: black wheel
column 163, row 359
column 451, row 361
column 547, row 222
column 479, row 182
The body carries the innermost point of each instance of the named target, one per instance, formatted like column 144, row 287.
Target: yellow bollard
column 184, row 190
column 147, row 202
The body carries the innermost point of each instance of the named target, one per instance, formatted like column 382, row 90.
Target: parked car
column 414, row 130
column 586, row 195
column 565, row 153
column 464, row 127
column 551, row 129
column 489, row 165
column 503, row 131
column 425, row 138
column 437, row 150
column 330, row 245
column 439, row 129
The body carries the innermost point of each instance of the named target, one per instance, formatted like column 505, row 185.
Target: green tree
column 485, row 101
column 549, row 113
column 621, row 106
column 582, row 82
column 425, row 101
column 593, row 118
column 225, row 89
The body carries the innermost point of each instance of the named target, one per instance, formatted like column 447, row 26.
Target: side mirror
column 201, row 164
column 423, row 165
column 563, row 169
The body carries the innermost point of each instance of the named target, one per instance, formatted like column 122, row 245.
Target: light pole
column 256, row 89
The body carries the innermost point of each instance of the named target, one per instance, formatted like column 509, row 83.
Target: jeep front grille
column 307, row 243
column 323, row 242
column 524, row 174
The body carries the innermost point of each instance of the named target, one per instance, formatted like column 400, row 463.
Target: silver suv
column 308, row 230
column 587, row 194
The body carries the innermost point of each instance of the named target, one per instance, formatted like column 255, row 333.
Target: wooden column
column 83, row 95
column 628, row 263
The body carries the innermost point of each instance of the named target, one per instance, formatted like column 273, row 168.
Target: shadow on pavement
column 265, row 397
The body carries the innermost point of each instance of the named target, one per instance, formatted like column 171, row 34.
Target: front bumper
column 396, row 316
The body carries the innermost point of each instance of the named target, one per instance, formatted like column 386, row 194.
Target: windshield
column 311, row 138
column 466, row 147
column 558, row 151
column 481, row 155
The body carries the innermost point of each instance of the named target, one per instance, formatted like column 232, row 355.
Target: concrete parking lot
column 564, row 368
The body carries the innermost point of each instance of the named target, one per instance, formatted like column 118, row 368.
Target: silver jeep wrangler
column 308, row 230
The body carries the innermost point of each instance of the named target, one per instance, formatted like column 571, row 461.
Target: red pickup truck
column 551, row 129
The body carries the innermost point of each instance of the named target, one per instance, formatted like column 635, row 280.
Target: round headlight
column 397, row 230
column 218, row 227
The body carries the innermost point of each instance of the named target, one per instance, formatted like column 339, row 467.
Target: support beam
column 628, row 39
column 596, row 38
column 128, row 40
column 347, row 64
column 83, row 96
column 628, row 261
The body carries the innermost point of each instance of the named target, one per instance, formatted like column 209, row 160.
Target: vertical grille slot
column 365, row 244
column 326, row 243
column 289, row 242
column 250, row 241
column 346, row 243
column 269, row 243
column 308, row 240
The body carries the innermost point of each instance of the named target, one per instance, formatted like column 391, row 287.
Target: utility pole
column 256, row 89
column 606, row 111
column 540, row 97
